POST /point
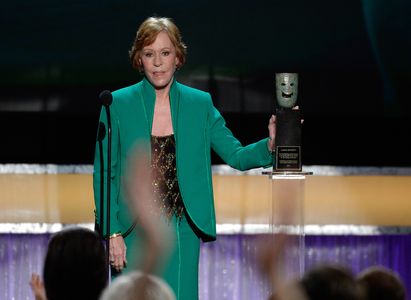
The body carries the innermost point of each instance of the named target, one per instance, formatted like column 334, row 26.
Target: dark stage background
column 353, row 58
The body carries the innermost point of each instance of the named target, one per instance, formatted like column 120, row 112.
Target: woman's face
column 159, row 61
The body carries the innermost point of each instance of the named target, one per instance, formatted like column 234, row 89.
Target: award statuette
column 288, row 124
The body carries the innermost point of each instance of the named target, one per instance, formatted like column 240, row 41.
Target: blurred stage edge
column 240, row 199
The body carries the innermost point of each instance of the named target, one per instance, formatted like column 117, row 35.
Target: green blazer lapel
column 175, row 107
column 148, row 99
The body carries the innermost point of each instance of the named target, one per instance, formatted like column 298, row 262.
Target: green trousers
column 179, row 266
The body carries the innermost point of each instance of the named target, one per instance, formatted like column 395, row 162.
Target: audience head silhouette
column 379, row 283
column 330, row 282
column 75, row 266
column 138, row 286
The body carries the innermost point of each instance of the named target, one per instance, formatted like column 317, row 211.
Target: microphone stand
column 101, row 135
column 107, row 99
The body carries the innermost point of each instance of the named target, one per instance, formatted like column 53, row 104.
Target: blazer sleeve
column 230, row 149
column 100, row 173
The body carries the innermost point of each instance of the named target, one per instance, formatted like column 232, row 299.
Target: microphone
column 106, row 98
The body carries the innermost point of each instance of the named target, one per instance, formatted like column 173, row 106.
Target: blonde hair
column 147, row 33
column 138, row 285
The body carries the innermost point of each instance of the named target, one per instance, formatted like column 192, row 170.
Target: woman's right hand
column 118, row 252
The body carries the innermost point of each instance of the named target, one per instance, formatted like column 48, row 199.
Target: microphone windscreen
column 106, row 98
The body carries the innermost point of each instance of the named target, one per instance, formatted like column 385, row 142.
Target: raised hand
column 37, row 286
column 271, row 133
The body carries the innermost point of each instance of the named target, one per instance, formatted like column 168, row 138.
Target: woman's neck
column 162, row 95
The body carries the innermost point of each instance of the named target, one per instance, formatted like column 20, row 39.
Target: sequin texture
column 165, row 184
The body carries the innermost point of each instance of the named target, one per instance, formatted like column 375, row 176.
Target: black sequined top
column 165, row 184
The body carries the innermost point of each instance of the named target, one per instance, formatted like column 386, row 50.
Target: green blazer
column 198, row 127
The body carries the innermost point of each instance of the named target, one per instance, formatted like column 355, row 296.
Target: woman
column 181, row 125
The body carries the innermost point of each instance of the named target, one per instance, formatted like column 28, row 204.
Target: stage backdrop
column 353, row 61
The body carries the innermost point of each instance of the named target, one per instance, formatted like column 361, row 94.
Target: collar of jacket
column 149, row 99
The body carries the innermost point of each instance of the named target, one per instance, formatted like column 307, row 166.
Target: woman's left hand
column 271, row 133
